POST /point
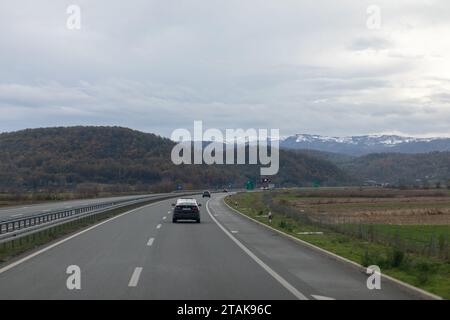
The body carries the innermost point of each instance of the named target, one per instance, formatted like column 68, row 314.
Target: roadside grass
column 16, row 247
column 420, row 234
column 430, row 274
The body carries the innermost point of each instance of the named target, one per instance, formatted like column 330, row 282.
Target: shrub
column 396, row 257
column 423, row 275
column 286, row 226
column 289, row 227
column 371, row 258
column 424, row 271
column 342, row 239
column 443, row 246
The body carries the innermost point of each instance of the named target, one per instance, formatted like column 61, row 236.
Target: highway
column 143, row 255
column 24, row 210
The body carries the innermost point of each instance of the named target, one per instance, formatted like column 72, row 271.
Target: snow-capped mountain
column 359, row 145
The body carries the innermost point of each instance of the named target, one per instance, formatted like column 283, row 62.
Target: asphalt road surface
column 143, row 255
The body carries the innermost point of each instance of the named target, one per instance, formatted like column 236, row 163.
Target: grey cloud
column 373, row 42
column 300, row 66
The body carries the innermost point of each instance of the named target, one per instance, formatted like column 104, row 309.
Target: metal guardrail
column 12, row 227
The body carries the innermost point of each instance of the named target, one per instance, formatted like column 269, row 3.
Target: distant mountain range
column 362, row 145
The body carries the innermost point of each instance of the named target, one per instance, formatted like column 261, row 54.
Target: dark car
column 206, row 194
column 186, row 209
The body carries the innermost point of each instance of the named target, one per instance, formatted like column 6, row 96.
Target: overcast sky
column 300, row 66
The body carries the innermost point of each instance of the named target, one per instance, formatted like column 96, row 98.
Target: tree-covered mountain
column 64, row 158
column 405, row 169
column 400, row 169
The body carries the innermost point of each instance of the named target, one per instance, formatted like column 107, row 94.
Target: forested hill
column 398, row 169
column 66, row 157
column 401, row 169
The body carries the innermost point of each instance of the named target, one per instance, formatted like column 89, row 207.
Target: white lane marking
column 321, row 297
column 268, row 269
column 24, row 259
column 135, row 277
column 168, row 211
column 17, row 215
column 234, row 231
column 158, row 226
column 164, row 218
column 150, row 241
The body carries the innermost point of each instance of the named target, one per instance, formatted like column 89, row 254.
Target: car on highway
column 186, row 209
column 206, row 194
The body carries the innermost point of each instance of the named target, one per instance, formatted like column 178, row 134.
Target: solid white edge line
column 269, row 270
column 150, row 241
column 317, row 297
column 26, row 258
column 135, row 277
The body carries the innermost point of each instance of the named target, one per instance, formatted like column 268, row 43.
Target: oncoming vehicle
column 186, row 209
column 206, row 194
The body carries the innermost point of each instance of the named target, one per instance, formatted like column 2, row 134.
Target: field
column 405, row 232
column 372, row 206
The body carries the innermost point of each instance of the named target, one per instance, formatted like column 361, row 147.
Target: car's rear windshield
column 186, row 206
